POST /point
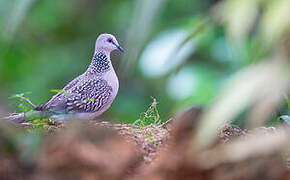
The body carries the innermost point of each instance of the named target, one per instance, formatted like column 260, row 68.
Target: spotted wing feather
column 88, row 96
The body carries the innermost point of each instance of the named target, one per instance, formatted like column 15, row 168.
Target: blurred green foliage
column 45, row 44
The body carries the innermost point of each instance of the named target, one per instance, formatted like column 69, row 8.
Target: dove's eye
column 110, row 40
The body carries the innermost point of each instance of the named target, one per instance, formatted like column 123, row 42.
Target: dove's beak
column 119, row 47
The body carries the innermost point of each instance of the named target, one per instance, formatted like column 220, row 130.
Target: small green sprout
column 147, row 118
column 21, row 97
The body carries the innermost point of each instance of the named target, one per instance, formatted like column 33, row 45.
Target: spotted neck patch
column 100, row 63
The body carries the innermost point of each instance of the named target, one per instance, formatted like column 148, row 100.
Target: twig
column 166, row 122
column 28, row 101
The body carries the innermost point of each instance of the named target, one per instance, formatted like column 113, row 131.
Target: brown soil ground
column 120, row 151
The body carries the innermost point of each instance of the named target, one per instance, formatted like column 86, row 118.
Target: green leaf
column 19, row 95
column 91, row 99
column 58, row 91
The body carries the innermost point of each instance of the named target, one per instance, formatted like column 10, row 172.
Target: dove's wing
column 86, row 96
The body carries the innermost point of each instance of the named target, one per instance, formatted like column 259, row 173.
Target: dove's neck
column 101, row 62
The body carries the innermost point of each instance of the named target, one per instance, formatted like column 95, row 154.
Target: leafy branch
column 22, row 97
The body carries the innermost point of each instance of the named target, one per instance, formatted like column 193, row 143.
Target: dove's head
column 108, row 43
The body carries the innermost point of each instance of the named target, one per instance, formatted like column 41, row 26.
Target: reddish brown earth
column 121, row 151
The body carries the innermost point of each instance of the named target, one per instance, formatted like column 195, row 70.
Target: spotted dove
column 88, row 95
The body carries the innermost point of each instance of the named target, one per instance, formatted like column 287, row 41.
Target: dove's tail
column 24, row 117
column 16, row 118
